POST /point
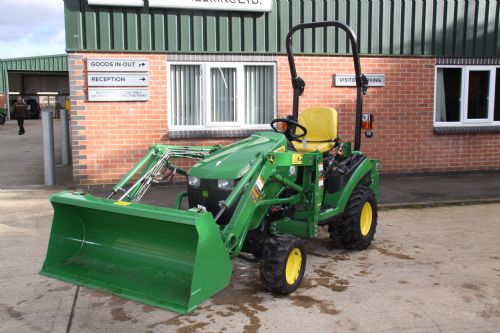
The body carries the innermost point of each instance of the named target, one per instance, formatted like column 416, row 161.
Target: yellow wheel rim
column 293, row 266
column 366, row 218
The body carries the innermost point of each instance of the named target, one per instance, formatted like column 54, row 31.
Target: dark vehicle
column 3, row 116
column 33, row 108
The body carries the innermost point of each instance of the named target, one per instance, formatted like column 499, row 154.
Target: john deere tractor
column 256, row 198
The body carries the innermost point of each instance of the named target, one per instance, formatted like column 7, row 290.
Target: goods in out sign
column 117, row 65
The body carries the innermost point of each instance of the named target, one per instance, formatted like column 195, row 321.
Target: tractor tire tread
column 275, row 251
column 345, row 233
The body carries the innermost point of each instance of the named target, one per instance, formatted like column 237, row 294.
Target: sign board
column 118, row 79
column 349, row 80
column 126, row 3
column 118, row 94
column 230, row 5
column 117, row 65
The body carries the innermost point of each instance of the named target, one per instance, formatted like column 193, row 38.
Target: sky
column 31, row 28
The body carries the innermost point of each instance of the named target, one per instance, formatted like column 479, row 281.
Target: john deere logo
column 204, row 194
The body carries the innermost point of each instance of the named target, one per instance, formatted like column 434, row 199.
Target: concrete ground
column 429, row 270
column 21, row 156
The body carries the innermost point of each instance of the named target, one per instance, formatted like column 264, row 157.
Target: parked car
column 33, row 108
column 3, row 116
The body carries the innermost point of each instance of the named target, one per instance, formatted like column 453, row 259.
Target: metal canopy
column 51, row 63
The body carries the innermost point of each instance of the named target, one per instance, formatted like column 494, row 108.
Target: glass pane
column 259, row 94
column 185, row 88
column 43, row 101
column 496, row 116
column 223, row 107
column 479, row 87
column 448, row 90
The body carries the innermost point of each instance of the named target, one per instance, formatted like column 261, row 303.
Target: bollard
column 49, row 166
column 65, row 142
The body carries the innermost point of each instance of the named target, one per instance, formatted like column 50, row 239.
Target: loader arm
column 263, row 187
column 150, row 165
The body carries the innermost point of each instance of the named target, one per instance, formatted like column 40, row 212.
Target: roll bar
column 299, row 84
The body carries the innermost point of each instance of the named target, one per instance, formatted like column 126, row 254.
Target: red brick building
column 219, row 74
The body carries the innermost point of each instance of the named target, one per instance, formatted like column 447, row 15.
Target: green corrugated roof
column 387, row 27
column 50, row 63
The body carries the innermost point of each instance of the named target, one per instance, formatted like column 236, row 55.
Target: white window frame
column 464, row 99
column 208, row 124
column 169, row 101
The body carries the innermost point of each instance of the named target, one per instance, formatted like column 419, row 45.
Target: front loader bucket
column 164, row 257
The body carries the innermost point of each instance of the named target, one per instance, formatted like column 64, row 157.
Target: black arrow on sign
column 143, row 64
column 143, row 79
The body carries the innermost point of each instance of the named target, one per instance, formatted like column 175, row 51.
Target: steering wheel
column 288, row 131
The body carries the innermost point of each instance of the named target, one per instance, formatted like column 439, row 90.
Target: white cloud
column 31, row 27
column 48, row 4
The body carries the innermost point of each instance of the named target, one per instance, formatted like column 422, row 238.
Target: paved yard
column 429, row 270
column 21, row 156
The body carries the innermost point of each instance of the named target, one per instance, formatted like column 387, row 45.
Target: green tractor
column 255, row 198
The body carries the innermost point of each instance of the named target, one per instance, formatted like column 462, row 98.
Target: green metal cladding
column 52, row 63
column 384, row 27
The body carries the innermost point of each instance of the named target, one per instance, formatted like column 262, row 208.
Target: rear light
column 367, row 121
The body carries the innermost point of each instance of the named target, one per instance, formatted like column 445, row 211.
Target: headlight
column 225, row 184
column 194, row 181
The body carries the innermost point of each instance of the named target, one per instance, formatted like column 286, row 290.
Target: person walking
column 21, row 112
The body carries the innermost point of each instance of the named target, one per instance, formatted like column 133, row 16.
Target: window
column 218, row 95
column 467, row 96
column 185, row 96
column 47, row 101
column 496, row 115
column 223, row 95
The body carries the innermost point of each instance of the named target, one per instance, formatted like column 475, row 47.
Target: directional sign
column 349, row 80
column 117, row 65
column 118, row 94
column 117, row 80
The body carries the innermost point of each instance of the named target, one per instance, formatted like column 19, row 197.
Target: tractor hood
column 232, row 161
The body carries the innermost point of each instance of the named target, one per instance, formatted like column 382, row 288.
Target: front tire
column 283, row 263
column 357, row 229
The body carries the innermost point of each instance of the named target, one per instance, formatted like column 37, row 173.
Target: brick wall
column 404, row 140
column 109, row 137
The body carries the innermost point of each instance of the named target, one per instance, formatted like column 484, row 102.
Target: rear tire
column 357, row 229
column 3, row 119
column 283, row 263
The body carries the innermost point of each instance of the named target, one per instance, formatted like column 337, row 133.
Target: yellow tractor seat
column 321, row 124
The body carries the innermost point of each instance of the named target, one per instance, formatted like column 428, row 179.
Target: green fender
column 363, row 169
